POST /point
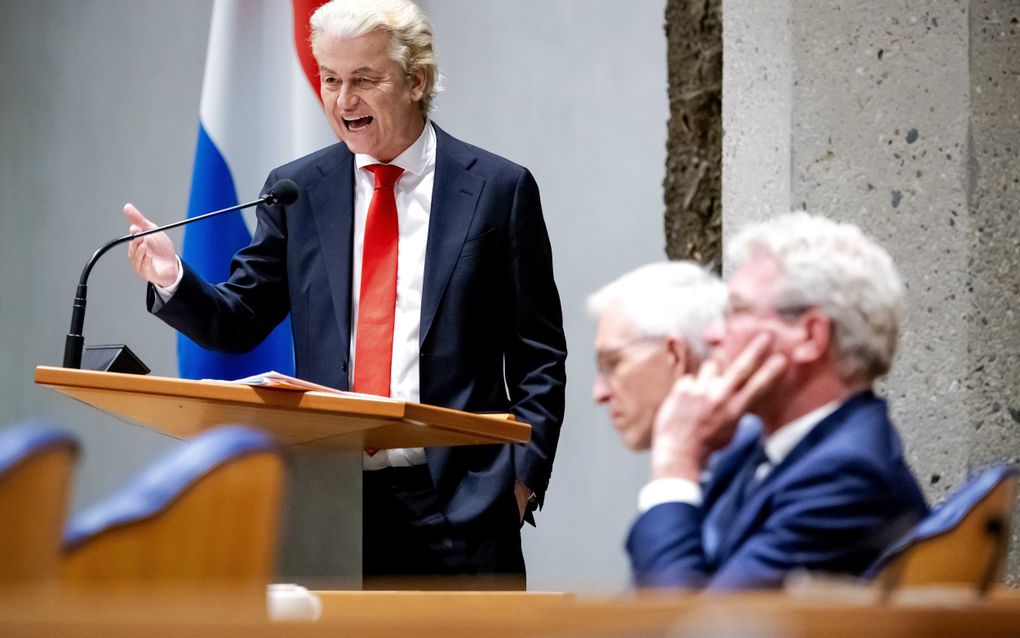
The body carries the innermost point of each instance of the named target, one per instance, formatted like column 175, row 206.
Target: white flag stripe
column 257, row 105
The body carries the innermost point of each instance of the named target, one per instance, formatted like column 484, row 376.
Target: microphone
column 283, row 193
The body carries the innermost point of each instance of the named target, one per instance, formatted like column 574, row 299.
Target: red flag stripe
column 303, row 10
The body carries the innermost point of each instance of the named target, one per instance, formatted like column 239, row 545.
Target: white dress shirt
column 777, row 446
column 413, row 192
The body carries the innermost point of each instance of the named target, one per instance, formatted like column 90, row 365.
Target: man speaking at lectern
column 413, row 266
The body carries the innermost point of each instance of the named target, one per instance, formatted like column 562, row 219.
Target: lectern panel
column 321, row 533
column 182, row 408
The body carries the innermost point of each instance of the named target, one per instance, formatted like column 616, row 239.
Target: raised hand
column 153, row 257
column 701, row 412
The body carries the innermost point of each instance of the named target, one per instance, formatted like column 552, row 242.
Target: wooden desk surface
column 182, row 408
column 496, row 614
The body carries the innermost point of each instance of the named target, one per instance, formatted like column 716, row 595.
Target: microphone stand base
column 114, row 357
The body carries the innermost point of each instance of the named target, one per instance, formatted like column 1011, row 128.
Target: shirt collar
column 415, row 159
column 780, row 443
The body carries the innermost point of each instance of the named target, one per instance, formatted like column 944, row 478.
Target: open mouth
column 357, row 123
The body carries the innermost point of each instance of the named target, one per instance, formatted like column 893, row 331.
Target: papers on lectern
column 279, row 381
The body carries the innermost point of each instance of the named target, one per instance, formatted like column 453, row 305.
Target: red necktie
column 377, row 301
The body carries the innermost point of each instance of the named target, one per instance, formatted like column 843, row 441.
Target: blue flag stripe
column 208, row 248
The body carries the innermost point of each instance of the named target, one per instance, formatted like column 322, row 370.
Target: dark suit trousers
column 408, row 543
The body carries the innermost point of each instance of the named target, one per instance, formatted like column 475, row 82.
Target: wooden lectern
column 321, row 535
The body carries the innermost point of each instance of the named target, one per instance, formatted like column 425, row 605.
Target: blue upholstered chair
column 963, row 542
column 36, row 464
column 206, row 513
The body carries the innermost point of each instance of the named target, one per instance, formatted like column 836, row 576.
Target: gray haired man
column 820, row 482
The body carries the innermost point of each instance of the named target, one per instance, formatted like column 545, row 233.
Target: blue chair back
column 962, row 541
column 36, row 464
column 21, row 442
column 193, row 514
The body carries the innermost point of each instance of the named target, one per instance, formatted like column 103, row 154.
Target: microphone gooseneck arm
column 283, row 192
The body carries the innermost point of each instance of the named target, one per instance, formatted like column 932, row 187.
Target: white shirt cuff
column 669, row 490
column 166, row 293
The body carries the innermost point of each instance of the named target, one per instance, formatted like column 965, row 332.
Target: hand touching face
column 701, row 411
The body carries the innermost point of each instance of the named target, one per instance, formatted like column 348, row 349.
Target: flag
column 260, row 108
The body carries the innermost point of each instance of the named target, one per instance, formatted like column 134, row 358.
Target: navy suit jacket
column 843, row 493
column 489, row 307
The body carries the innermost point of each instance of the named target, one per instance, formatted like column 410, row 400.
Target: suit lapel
column 725, row 468
column 744, row 522
column 331, row 199
column 822, row 430
column 722, row 523
column 455, row 194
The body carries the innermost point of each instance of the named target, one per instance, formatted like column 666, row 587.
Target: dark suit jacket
column 833, row 504
column 489, row 307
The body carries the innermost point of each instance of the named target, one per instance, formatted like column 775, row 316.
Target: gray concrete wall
column 575, row 91
column 900, row 116
column 756, row 110
column 99, row 104
column 992, row 373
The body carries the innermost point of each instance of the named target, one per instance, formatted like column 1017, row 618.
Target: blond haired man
column 414, row 266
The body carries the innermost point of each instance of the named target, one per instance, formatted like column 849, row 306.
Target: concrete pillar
column 902, row 116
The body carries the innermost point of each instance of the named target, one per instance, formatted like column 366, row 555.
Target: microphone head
column 282, row 193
